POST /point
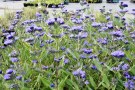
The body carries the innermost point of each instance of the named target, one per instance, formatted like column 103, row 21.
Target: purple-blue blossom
column 7, row 76
column 80, row 73
column 50, row 21
column 87, row 51
column 66, row 61
column 9, row 71
column 8, row 42
column 19, row 77
column 130, row 85
column 125, row 67
column 95, row 24
column 117, row 33
column 118, row 54
column 14, row 59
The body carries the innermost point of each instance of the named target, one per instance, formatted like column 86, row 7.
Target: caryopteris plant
column 64, row 50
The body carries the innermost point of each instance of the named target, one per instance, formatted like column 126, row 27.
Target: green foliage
column 5, row 20
column 51, row 72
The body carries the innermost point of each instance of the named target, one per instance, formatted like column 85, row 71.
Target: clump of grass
column 5, row 20
column 29, row 13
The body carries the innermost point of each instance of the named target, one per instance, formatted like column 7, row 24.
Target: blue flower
column 133, row 12
column 8, row 42
column 9, row 36
column 14, row 59
column 93, row 19
column 127, row 75
column 52, row 85
column 104, row 28
column 116, row 16
column 40, row 34
column 103, row 41
column 83, row 56
column 124, row 5
column 66, row 61
column 29, row 29
column 50, row 21
column 11, row 28
column 45, row 67
column 77, row 28
column 64, row 11
column 118, row 54
column 38, row 14
column 95, row 24
column 49, row 41
column 63, row 48
column 38, row 28
column 60, row 20
column 125, row 67
column 7, row 76
column 130, row 85
column 28, row 80
column 19, row 11
column 29, row 39
column 19, row 77
column 87, row 51
column 115, row 69
column 34, row 61
column 86, row 82
column 83, row 35
column 76, row 73
column 65, row 26
column 94, row 67
column 110, row 25
column 117, row 33
column 80, row 73
column 57, row 60
column 93, row 56
column 42, row 44
column 107, row 17
column 0, row 71
column 9, row 71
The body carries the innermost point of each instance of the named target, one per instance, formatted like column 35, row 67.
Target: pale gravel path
column 18, row 5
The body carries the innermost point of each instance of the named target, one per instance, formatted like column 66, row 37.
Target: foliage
column 63, row 50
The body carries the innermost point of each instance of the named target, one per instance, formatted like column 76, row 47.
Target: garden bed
column 67, row 51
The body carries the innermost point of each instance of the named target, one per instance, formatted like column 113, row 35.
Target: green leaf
column 104, row 85
column 62, row 83
column 73, row 84
column 132, row 70
column 70, row 52
column 105, row 80
column 25, row 88
column 45, row 82
column 92, row 82
column 109, row 68
column 98, row 65
column 43, row 54
column 114, row 88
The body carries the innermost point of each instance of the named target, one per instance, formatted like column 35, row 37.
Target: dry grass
column 8, row 16
column 29, row 13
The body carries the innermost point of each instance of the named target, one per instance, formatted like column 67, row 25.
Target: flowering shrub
column 80, row 50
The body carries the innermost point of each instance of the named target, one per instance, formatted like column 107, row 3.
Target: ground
column 18, row 5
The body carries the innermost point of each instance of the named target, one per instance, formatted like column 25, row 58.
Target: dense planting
column 80, row 50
